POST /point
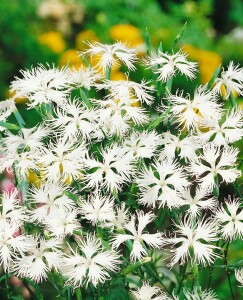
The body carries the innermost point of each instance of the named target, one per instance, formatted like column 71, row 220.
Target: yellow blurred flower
column 71, row 58
column 16, row 99
column 33, row 178
column 85, row 35
column 129, row 34
column 117, row 75
column 208, row 61
column 53, row 40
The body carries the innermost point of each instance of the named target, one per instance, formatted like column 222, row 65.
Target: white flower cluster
column 110, row 171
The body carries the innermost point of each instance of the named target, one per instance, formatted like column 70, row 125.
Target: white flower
column 200, row 201
column 28, row 138
column 214, row 162
column 43, row 85
column 97, row 209
column 74, row 119
column 190, row 113
column 226, row 131
column 12, row 244
column 6, row 109
column 89, row 263
column 84, row 77
column 10, row 209
column 185, row 148
column 161, row 183
column 120, row 218
column 44, row 256
column 114, row 170
column 48, row 199
column 112, row 55
column 117, row 117
column 196, row 237
column 154, row 240
column 230, row 219
column 239, row 276
column 141, row 144
column 23, row 162
column 62, row 222
column 231, row 79
column 148, row 292
column 167, row 65
column 128, row 91
column 62, row 160
column 198, row 295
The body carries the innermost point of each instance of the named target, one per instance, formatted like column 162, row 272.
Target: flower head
column 201, row 200
column 12, row 244
column 154, row 240
column 214, row 162
column 27, row 139
column 196, row 237
column 161, row 183
column 230, row 219
column 231, row 79
column 114, row 170
column 111, row 55
column 239, row 276
column 97, row 209
column 168, row 64
column 128, row 91
column 191, row 113
column 227, row 130
column 43, row 85
column 89, row 263
column 42, row 257
column 148, row 292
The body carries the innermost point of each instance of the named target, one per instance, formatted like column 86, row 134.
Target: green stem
column 9, row 125
column 232, row 100
column 108, row 73
column 196, row 280
column 182, row 278
column 19, row 118
column 7, row 286
column 85, row 98
column 69, row 293
column 160, row 118
column 216, row 187
column 227, row 270
column 168, row 85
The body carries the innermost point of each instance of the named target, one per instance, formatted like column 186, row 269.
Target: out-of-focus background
column 40, row 31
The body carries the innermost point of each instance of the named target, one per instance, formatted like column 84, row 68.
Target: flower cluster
column 121, row 177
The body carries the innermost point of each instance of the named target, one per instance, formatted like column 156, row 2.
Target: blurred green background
column 34, row 31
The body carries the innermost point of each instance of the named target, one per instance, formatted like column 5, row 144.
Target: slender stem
column 7, row 286
column 232, row 100
column 69, row 293
column 216, row 187
column 153, row 274
column 19, row 118
column 196, row 280
column 182, row 278
column 227, row 270
column 169, row 85
column 108, row 73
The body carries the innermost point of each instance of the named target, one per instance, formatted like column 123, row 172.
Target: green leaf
column 179, row 35
column 9, row 125
column 148, row 42
column 135, row 266
column 85, row 98
column 215, row 75
column 71, row 196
